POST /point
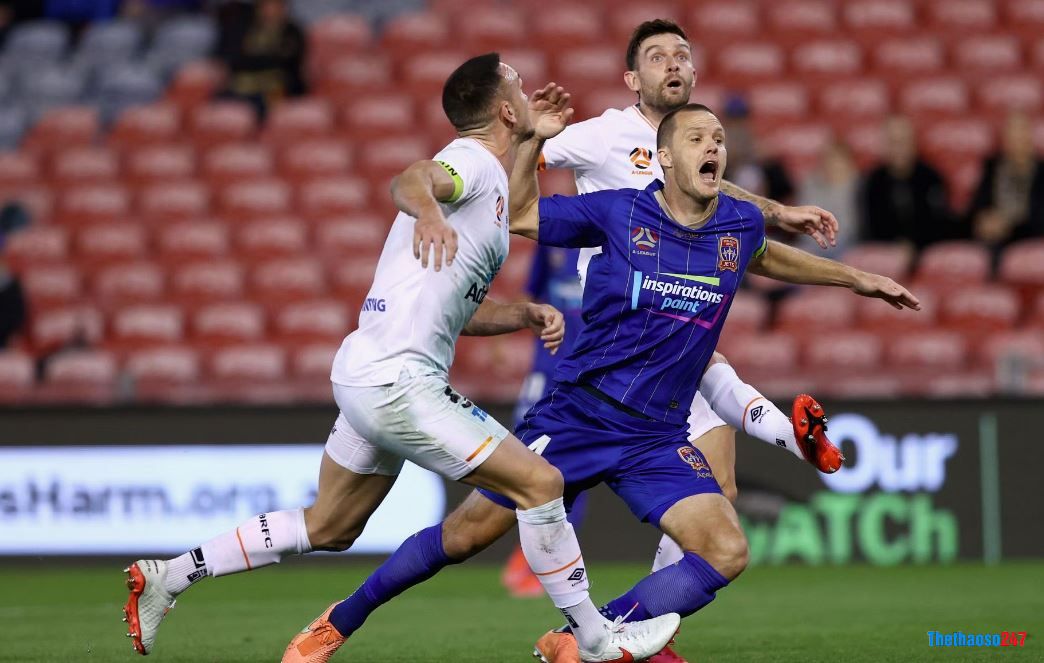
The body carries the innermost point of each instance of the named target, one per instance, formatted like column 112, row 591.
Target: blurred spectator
column 834, row 185
column 905, row 198
column 151, row 12
column 13, row 308
column 746, row 168
column 14, row 11
column 1009, row 202
column 265, row 56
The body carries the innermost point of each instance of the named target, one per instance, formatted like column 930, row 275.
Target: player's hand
column 431, row 231
column 549, row 110
column 810, row 220
column 882, row 287
column 548, row 323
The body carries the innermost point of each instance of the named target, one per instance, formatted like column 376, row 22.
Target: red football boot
column 519, row 579
column 810, row 430
column 666, row 655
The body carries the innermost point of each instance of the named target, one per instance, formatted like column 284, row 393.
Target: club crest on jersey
column 693, row 460
column 645, row 241
column 641, row 157
column 728, row 253
column 500, row 210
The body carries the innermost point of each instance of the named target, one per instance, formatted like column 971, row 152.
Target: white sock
column 744, row 408
column 550, row 546
column 667, row 553
column 260, row 541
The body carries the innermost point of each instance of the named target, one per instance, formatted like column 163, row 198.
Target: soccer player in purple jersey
column 617, row 411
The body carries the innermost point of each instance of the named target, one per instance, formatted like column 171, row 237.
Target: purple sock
column 418, row 558
column 683, row 588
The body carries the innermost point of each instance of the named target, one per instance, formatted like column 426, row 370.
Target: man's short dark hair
column 468, row 94
column 667, row 124
column 659, row 26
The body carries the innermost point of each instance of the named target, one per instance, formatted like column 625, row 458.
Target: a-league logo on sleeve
column 728, row 253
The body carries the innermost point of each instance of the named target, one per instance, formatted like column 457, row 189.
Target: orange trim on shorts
column 479, row 450
column 547, row 573
column 243, row 549
column 746, row 409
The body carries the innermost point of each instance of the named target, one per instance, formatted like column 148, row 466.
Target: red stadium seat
column 1035, row 317
column 878, row 316
column 237, row 162
column 18, row 169
column 326, row 196
column 188, row 240
column 844, row 350
column 748, row 313
column 222, row 122
column 800, row 146
column 1025, row 18
column 416, row 32
column 960, row 17
column 299, row 119
column 425, row 74
column 160, row 162
column 94, row 203
column 350, row 280
column 38, row 200
column 350, row 234
column 35, row 245
column 259, row 362
column 964, row 384
column 251, row 198
column 723, row 21
column 314, row 360
column 931, row 349
column 1001, row 94
column 80, row 165
column 887, row 259
column 981, row 309
column 744, row 63
column 347, row 78
column 315, row 158
column 557, row 181
column 284, row 280
column 816, row 309
column 1022, row 265
column 773, row 351
column 145, row 125
column 82, row 368
column 908, row 58
column 487, row 29
column 196, row 83
column 962, row 141
column 943, row 95
column 772, row 101
column 1024, row 347
column 17, row 374
column 955, row 263
column 586, row 67
column 380, row 114
column 559, row 26
column 863, row 386
column 175, row 200
column 76, row 324
column 385, row 157
column 64, row 127
column 827, row 59
column 848, row 100
column 795, row 21
column 625, row 17
column 870, row 20
column 338, row 36
column 51, row 285
column 313, row 321
column 987, row 55
column 147, row 324
column 272, row 237
column 106, row 243
column 208, row 281
column 228, row 323
column 164, row 364
column 128, row 282
column 493, row 369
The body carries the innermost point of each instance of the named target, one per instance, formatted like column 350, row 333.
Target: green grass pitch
column 51, row 612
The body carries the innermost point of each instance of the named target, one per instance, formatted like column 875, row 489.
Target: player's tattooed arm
column 417, row 191
column 493, row 318
column 791, row 265
column 810, row 220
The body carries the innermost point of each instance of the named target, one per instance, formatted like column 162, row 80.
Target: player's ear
column 632, row 82
column 507, row 114
column 663, row 155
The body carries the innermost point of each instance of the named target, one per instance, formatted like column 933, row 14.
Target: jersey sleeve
column 580, row 146
column 575, row 221
column 539, row 275
column 468, row 170
column 760, row 239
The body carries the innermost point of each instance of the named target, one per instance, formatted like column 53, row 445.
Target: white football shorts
column 419, row 418
column 702, row 418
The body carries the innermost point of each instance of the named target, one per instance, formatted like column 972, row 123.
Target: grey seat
column 14, row 120
column 45, row 87
column 36, row 42
column 109, row 43
column 182, row 40
column 124, row 85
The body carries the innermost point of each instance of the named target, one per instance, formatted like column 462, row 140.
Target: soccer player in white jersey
column 390, row 383
column 617, row 150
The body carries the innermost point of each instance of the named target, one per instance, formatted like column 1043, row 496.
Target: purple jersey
column 553, row 280
column 657, row 295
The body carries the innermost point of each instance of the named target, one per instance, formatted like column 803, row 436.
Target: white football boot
column 148, row 603
column 634, row 641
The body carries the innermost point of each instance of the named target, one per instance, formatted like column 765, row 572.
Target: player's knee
column 544, row 484
column 732, row 554
column 328, row 533
column 460, row 542
column 729, row 490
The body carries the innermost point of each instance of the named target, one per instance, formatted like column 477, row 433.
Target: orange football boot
column 810, row 431
column 316, row 643
column 557, row 646
column 519, row 579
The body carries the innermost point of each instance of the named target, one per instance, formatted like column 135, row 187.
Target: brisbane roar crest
column 728, row 253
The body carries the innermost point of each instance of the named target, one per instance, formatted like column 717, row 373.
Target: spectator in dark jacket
column 905, row 198
column 1009, row 202
column 265, row 57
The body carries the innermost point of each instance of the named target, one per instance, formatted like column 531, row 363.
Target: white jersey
column 616, row 150
column 415, row 315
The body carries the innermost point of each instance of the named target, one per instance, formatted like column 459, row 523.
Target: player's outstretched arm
column 417, row 192
column 493, row 318
column 785, row 263
column 816, row 222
